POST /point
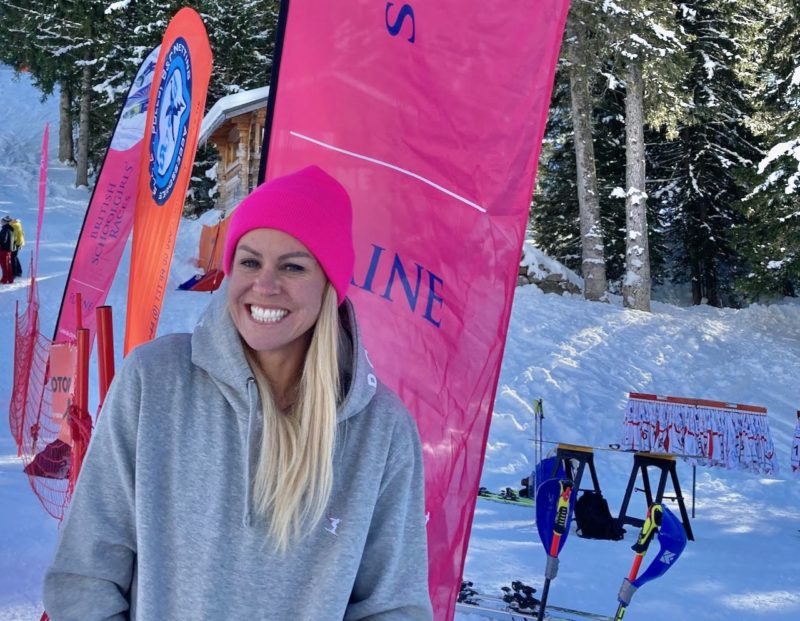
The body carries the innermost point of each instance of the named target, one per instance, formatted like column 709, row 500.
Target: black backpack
column 593, row 519
column 7, row 238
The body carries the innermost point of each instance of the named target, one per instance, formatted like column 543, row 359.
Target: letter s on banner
column 405, row 12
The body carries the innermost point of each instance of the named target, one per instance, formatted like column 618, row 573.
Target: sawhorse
column 666, row 464
column 584, row 455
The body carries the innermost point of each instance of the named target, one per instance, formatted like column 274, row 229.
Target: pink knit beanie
column 309, row 205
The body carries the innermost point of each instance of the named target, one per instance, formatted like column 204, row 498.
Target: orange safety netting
column 210, row 251
column 212, row 245
column 50, row 442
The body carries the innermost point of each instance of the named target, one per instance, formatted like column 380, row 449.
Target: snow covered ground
column 581, row 358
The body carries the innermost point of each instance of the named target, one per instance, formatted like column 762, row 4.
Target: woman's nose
column 268, row 282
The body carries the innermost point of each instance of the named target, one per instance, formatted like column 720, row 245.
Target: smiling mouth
column 267, row 315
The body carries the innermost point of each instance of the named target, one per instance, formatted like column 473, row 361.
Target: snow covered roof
column 230, row 106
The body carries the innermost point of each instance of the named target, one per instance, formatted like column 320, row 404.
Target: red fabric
column 52, row 462
column 209, row 282
column 5, row 264
column 212, row 243
column 80, row 426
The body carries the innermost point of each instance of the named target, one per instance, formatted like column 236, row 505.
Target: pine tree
column 610, row 158
column 242, row 37
column 554, row 213
column 92, row 49
column 582, row 40
column 648, row 46
column 700, row 167
column 30, row 41
column 63, row 43
column 770, row 239
column 555, row 218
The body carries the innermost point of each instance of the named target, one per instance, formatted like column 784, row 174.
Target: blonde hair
column 294, row 477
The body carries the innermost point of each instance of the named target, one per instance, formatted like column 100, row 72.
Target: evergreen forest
column 671, row 155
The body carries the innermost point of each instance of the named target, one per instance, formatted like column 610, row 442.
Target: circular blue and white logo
column 170, row 121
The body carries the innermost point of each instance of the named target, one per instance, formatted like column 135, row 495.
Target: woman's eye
column 294, row 267
column 249, row 262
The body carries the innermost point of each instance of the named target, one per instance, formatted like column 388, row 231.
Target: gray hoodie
column 162, row 527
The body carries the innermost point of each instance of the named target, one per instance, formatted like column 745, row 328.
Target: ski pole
column 559, row 528
column 537, row 476
column 649, row 529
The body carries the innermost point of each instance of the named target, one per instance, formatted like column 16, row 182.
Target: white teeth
column 267, row 315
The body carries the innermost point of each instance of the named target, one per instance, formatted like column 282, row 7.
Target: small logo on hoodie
column 371, row 379
column 334, row 525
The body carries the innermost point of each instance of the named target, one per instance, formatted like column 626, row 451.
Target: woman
column 255, row 469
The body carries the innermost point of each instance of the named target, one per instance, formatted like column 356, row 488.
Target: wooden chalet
column 235, row 125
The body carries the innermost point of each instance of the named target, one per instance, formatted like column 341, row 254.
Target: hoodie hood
column 217, row 348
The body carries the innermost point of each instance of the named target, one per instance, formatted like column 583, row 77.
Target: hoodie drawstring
column 251, row 454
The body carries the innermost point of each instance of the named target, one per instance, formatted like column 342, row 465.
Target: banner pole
column 78, row 312
column 273, row 89
column 18, row 436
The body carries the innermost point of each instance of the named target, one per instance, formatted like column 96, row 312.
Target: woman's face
column 275, row 293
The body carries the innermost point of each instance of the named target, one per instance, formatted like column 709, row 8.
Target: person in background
column 8, row 249
column 19, row 239
column 256, row 468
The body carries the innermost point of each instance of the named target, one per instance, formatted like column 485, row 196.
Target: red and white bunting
column 707, row 433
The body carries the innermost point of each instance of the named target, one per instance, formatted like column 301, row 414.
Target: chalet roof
column 230, row 106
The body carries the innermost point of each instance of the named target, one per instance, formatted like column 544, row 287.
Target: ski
column 507, row 499
column 556, row 613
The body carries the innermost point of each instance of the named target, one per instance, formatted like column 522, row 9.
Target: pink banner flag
column 109, row 217
column 432, row 116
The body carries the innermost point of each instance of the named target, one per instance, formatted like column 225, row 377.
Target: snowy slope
column 581, row 358
column 27, row 533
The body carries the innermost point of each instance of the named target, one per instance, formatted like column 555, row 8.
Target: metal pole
column 82, row 375
column 105, row 349
column 694, row 486
column 280, row 33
